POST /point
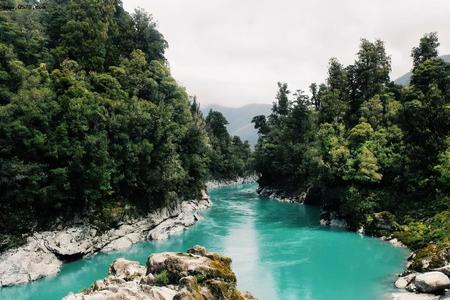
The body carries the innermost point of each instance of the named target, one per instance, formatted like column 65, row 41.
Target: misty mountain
column 406, row 78
column 240, row 119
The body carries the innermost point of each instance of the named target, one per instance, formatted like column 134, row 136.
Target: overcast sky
column 233, row 52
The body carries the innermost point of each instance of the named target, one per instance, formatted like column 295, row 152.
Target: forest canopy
column 91, row 121
column 361, row 145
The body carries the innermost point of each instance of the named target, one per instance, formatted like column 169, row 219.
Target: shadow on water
column 279, row 251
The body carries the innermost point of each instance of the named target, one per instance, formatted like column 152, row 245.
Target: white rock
column 126, row 269
column 29, row 262
column 412, row 296
column 75, row 241
column 396, row 243
column 129, row 290
column 431, row 282
column 40, row 256
column 324, row 222
column 119, row 244
column 403, row 282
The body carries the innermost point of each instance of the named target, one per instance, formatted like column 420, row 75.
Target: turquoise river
column 279, row 251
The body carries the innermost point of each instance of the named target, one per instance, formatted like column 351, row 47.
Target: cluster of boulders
column 196, row 274
column 44, row 252
column 435, row 283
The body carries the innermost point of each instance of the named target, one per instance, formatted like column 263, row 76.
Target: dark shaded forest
column 92, row 124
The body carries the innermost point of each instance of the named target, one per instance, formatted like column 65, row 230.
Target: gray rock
column 240, row 180
column 412, row 296
column 403, row 282
column 27, row 263
column 127, row 290
column 44, row 252
column 71, row 242
column 121, row 243
column 432, row 282
column 127, row 269
column 197, row 250
column 129, row 280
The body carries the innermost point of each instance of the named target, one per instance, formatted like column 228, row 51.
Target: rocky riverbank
column 282, row 196
column 44, row 253
column 213, row 184
column 196, row 274
column 431, row 285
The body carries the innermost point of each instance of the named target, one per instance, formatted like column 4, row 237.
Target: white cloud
column 233, row 52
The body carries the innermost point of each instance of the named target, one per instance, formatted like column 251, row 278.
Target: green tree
column 84, row 33
column 427, row 49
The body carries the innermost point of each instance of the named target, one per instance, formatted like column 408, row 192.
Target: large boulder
column 404, row 281
column 185, row 218
column 178, row 265
column 179, row 276
column 29, row 262
column 432, row 282
column 72, row 243
column 127, row 269
column 44, row 252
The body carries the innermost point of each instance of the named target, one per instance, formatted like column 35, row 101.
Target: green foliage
column 418, row 234
column 92, row 123
column 427, row 49
column 368, row 146
column 443, row 168
column 12, row 73
column 162, row 278
column 229, row 156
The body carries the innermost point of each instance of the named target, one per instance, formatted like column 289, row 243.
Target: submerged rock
column 196, row 274
column 45, row 252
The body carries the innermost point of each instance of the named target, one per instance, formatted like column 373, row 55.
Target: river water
column 279, row 251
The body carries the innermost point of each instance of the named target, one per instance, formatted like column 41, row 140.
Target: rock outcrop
column 44, row 252
column 196, row 274
column 432, row 282
column 423, row 285
column 282, row 196
column 213, row 184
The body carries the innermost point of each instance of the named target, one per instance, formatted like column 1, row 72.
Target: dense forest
column 92, row 123
column 375, row 153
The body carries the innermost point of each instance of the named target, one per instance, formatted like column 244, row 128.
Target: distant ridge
column 406, row 78
column 240, row 119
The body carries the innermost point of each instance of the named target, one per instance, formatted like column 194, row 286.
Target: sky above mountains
column 233, row 52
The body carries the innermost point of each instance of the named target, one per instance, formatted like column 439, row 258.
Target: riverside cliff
column 196, row 274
